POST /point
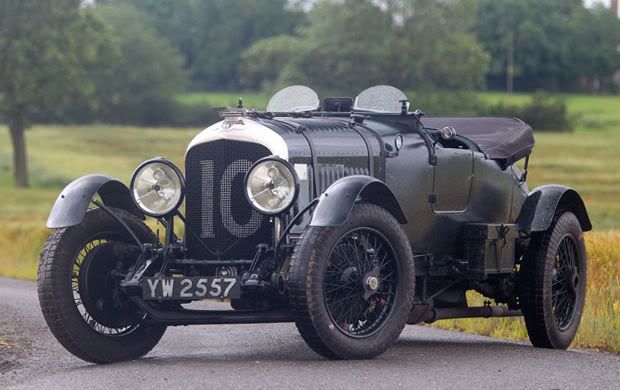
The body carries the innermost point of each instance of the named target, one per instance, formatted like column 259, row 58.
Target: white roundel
column 247, row 131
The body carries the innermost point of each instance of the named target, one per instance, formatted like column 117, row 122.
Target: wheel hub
column 372, row 283
column 97, row 288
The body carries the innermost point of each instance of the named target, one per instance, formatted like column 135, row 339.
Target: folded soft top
column 508, row 139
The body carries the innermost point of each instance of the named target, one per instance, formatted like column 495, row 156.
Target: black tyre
column 351, row 287
column 553, row 283
column 78, row 281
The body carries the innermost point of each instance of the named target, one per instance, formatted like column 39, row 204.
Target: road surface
column 275, row 356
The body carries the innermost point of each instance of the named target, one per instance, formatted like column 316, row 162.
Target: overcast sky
column 605, row 2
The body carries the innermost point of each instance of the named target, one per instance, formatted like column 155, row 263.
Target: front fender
column 541, row 204
column 336, row 203
column 72, row 203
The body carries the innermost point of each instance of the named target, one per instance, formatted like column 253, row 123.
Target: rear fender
column 72, row 203
column 336, row 203
column 542, row 203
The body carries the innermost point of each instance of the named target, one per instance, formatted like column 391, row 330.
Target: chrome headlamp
column 157, row 187
column 271, row 185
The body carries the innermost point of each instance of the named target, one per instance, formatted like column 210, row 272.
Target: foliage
column 349, row 45
column 437, row 49
column 250, row 99
column 136, row 85
column 541, row 44
column 443, row 103
column 543, row 113
column 210, row 35
column 46, row 51
column 597, row 65
column 451, row 44
column 269, row 60
column 343, row 41
column 548, row 44
column 148, row 71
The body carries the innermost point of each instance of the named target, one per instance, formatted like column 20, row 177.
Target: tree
column 596, row 51
column 268, row 61
column 438, row 49
column 146, row 75
column 46, row 48
column 349, row 45
column 211, row 34
column 548, row 44
column 343, row 47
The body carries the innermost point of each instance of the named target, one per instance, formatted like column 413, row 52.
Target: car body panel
column 74, row 200
column 245, row 130
column 336, row 202
column 541, row 204
column 464, row 186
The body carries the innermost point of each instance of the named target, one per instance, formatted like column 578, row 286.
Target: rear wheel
column 80, row 270
column 352, row 286
column 553, row 283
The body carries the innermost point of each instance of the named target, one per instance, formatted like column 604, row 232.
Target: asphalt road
column 275, row 356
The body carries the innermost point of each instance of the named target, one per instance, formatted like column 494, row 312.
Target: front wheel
column 79, row 276
column 352, row 286
column 553, row 283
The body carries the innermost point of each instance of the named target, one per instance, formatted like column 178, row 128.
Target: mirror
column 296, row 98
column 380, row 98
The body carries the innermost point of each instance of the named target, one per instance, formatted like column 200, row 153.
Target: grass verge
column 600, row 325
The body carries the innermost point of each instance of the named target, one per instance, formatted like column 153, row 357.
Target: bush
column 448, row 103
column 136, row 86
column 175, row 114
column 152, row 112
column 543, row 113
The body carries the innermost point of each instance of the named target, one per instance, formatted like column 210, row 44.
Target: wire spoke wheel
column 352, row 286
column 565, row 282
column 96, row 294
column 553, row 278
column 80, row 271
column 360, row 282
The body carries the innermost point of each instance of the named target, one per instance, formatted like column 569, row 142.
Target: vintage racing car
column 351, row 218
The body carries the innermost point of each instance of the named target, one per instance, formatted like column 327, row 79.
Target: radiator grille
column 216, row 207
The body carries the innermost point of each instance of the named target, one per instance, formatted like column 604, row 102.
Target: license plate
column 175, row 288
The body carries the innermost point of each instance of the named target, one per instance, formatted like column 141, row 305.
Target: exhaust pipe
column 429, row 314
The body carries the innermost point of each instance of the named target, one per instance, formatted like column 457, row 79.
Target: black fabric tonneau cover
column 507, row 139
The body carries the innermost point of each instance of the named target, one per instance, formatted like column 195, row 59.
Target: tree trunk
column 510, row 64
column 20, row 165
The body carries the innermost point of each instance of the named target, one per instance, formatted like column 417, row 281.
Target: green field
column 588, row 160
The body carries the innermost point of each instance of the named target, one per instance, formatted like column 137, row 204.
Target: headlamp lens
column 157, row 188
column 271, row 186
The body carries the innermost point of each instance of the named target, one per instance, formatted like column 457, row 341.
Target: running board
column 212, row 317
